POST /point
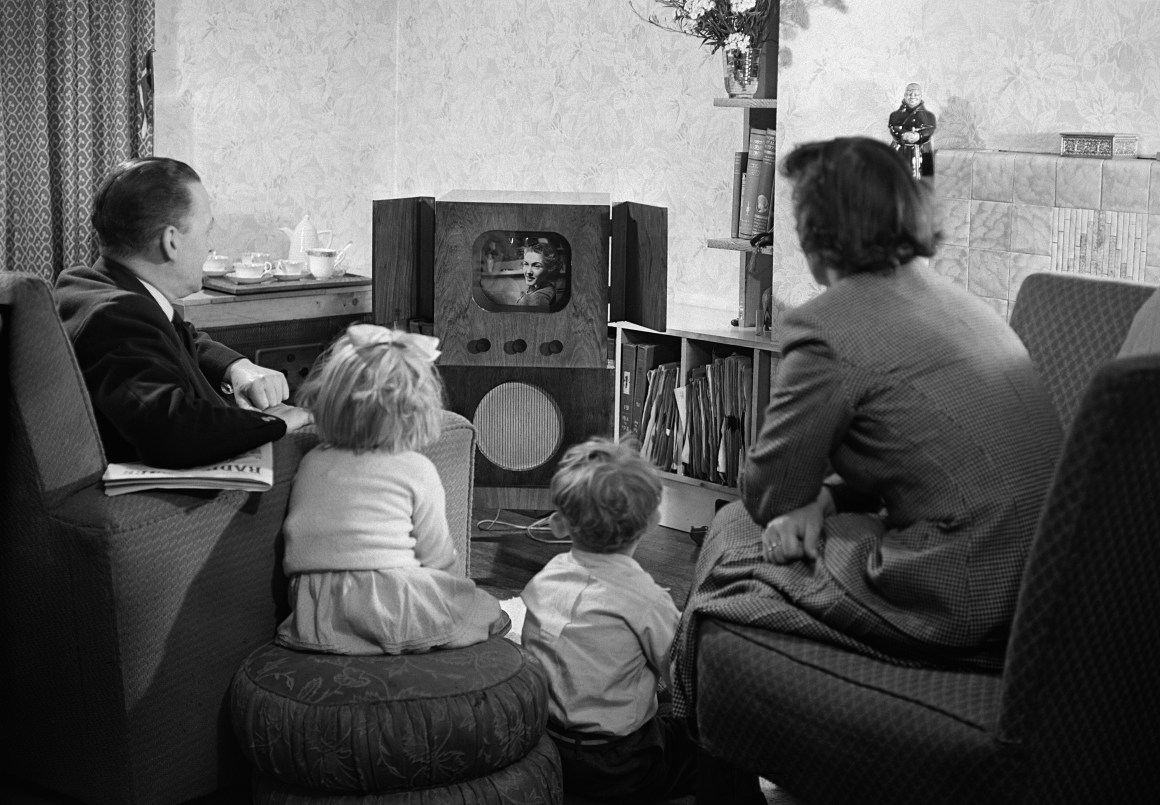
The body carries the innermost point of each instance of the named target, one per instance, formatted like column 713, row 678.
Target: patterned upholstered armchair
column 125, row 618
column 1072, row 717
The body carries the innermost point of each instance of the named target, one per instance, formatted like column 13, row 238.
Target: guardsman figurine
column 911, row 126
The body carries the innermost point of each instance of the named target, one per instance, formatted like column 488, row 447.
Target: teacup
column 248, row 270
column 290, row 268
column 216, row 264
column 322, row 262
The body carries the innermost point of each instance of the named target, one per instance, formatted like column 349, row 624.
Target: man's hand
column 292, row 415
column 798, row 533
column 256, row 387
column 910, row 137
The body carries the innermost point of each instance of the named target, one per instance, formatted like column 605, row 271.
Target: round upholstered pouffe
column 343, row 724
column 534, row 778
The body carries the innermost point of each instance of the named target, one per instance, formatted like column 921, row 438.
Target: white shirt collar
column 160, row 297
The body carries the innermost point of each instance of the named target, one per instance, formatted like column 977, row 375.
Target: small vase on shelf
column 741, row 68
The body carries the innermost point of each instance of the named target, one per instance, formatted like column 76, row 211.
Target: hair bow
column 368, row 335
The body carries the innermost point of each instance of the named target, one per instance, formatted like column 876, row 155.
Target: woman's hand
column 798, row 533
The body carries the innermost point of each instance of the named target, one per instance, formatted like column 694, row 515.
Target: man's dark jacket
column 153, row 382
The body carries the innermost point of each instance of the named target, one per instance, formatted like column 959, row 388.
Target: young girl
column 368, row 550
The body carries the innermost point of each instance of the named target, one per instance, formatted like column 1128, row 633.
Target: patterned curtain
column 75, row 100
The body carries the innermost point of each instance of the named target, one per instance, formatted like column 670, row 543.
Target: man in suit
column 163, row 392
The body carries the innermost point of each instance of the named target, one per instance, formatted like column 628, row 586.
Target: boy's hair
column 376, row 389
column 607, row 492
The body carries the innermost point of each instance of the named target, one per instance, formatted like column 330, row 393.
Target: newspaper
column 252, row 470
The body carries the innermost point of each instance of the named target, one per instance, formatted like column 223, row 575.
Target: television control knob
column 553, row 347
column 478, row 345
column 515, row 346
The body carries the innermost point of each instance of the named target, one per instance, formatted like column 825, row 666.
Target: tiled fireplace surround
column 1009, row 214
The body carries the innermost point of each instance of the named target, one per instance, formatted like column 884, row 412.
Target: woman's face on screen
column 533, row 266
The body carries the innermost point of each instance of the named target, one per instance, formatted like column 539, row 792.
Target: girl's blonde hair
column 376, row 389
column 607, row 492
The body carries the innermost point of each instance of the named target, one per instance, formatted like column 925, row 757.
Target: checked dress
column 927, row 406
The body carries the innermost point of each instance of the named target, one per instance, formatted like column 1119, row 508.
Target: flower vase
column 741, row 67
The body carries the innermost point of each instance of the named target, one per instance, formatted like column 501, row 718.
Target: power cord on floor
column 529, row 530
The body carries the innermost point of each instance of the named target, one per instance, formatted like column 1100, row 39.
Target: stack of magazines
column 661, row 441
column 253, row 470
column 716, row 418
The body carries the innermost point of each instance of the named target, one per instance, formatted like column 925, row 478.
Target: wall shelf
column 736, row 245
column 697, row 336
column 747, row 103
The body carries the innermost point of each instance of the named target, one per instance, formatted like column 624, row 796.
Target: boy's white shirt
column 602, row 628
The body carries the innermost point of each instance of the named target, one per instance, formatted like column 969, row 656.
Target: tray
column 307, row 283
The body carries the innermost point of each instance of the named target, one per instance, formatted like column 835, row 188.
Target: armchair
column 1073, row 714
column 126, row 617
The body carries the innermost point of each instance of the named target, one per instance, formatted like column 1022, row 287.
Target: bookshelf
column 695, row 337
column 755, row 266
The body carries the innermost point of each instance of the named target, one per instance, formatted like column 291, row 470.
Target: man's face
column 533, row 266
column 913, row 95
column 193, row 241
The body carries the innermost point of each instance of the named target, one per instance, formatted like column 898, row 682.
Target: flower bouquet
column 719, row 24
column 738, row 28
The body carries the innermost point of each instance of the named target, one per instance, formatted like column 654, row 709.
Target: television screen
column 521, row 271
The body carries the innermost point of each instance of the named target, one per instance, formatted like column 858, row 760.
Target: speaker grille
column 520, row 426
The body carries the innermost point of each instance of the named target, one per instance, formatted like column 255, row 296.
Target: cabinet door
column 402, row 249
column 640, row 255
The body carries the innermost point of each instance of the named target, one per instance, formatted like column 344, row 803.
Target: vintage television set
column 520, row 288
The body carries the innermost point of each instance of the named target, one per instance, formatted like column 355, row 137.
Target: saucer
column 215, row 272
column 246, row 280
column 291, row 277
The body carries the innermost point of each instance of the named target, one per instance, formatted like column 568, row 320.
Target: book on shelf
column 717, row 418
column 757, row 137
column 698, row 427
column 660, row 444
column 648, row 357
column 765, row 371
column 736, row 372
column 740, row 161
column 252, row 470
column 763, row 205
column 626, row 385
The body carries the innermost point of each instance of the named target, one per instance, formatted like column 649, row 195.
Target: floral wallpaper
column 287, row 106
column 320, row 106
column 999, row 74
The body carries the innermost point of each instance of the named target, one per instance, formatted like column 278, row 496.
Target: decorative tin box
column 1098, row 146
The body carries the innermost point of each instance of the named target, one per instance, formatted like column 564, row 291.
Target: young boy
column 602, row 629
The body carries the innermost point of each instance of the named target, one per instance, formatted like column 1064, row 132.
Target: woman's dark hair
column 138, row 200
column 553, row 260
column 858, row 207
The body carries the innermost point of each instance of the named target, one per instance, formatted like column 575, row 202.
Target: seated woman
column 890, row 499
column 542, row 264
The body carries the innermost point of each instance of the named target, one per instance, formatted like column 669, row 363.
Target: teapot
column 304, row 237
